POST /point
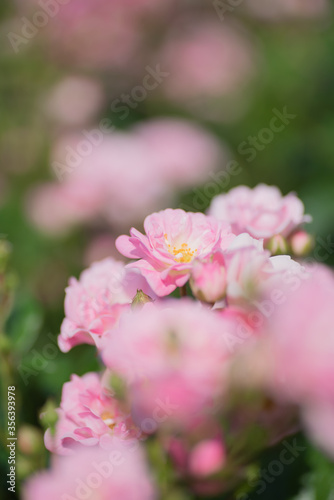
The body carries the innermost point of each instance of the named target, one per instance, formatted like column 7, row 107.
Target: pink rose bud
column 277, row 245
column 208, row 279
column 207, row 458
column 140, row 299
column 301, row 243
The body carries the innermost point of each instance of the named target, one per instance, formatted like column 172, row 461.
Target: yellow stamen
column 108, row 419
column 183, row 254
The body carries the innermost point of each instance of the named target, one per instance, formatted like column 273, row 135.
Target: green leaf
column 322, row 477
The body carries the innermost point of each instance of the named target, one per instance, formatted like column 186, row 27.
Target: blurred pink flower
column 53, row 208
column 88, row 415
column 184, row 154
column 201, row 458
column 239, row 328
column 252, row 273
column 301, row 343
column 94, row 304
column 74, row 101
column 262, row 212
column 173, row 357
column 205, row 60
column 122, row 176
column 173, row 239
column 207, row 458
column 294, row 359
column 97, row 34
column 120, row 472
column 116, row 169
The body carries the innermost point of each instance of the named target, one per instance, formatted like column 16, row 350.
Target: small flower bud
column 5, row 345
column 140, row 299
column 277, row 245
column 49, row 416
column 30, row 440
column 207, row 458
column 301, row 243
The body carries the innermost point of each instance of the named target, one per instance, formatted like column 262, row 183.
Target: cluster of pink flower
column 172, row 365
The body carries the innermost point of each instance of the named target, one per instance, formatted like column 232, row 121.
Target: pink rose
column 88, row 415
column 173, row 240
column 119, row 472
column 94, row 303
column 262, row 212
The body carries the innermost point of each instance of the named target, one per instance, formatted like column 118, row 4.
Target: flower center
column 108, row 419
column 182, row 254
